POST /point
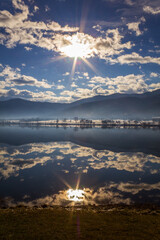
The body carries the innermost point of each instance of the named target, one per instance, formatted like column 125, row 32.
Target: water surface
column 111, row 166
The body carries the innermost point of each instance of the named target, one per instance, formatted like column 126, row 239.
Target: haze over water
column 112, row 166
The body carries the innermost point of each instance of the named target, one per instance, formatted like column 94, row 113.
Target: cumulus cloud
column 18, row 29
column 78, row 93
column 122, row 84
column 59, row 87
column 111, row 45
column 134, row 26
column 13, row 77
column 13, row 81
column 149, row 9
column 47, row 96
column 52, row 36
column 153, row 74
column 134, row 58
column 31, row 95
column 154, row 86
column 20, row 20
column 7, row 20
column 36, row 8
column 90, row 46
column 28, row 48
column 66, row 74
column 73, row 85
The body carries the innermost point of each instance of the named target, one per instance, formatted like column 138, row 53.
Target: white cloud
column 78, row 93
column 73, row 85
column 48, row 96
column 153, row 74
column 98, row 28
column 19, row 20
column 36, row 8
column 28, row 48
column 60, row 87
column 52, row 36
column 8, row 20
column 130, row 84
column 154, row 86
column 134, row 58
column 134, row 26
column 66, row 74
column 151, row 10
column 18, row 29
column 123, row 84
column 93, row 86
column 111, row 45
column 13, row 77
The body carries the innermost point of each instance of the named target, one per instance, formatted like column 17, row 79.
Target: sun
column 77, row 47
column 75, row 50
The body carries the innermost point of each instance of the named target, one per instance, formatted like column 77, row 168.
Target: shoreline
column 79, row 125
column 108, row 207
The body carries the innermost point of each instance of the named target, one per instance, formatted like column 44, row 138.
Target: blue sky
column 65, row 50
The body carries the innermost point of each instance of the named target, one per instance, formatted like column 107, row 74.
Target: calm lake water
column 111, row 166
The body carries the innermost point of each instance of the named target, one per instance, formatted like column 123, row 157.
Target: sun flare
column 77, row 47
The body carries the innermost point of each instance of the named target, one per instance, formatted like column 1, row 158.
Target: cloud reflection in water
column 80, row 160
column 16, row 158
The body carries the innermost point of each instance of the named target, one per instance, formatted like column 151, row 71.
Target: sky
column 65, row 50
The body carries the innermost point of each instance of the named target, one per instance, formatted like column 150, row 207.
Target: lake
column 38, row 166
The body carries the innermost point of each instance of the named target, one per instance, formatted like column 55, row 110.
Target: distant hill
column 124, row 106
column 19, row 108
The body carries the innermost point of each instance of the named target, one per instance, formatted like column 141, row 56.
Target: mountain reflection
column 41, row 173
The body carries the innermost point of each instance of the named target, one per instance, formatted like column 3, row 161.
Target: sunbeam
column 73, row 68
column 91, row 66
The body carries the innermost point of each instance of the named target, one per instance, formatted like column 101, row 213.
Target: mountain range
column 115, row 106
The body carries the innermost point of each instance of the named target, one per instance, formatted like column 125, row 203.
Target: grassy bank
column 89, row 223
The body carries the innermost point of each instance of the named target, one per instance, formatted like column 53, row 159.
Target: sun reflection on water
column 75, row 195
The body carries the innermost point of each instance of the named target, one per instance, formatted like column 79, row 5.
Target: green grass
column 88, row 223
